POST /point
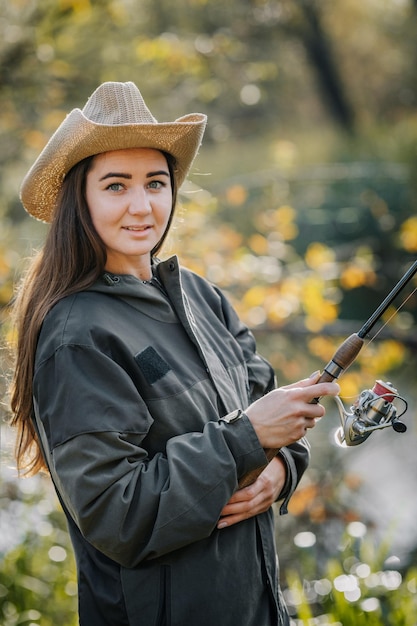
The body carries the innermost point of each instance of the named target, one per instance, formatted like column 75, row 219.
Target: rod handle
column 251, row 476
column 342, row 358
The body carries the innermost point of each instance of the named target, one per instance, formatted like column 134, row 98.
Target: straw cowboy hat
column 114, row 118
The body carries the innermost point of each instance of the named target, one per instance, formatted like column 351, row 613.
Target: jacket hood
column 148, row 296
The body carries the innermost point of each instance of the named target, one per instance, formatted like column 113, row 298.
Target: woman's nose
column 139, row 202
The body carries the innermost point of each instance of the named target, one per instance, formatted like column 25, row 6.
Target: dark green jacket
column 130, row 382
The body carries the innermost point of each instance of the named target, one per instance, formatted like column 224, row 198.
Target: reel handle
column 344, row 356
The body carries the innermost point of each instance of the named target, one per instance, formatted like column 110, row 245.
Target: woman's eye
column 156, row 184
column 115, row 187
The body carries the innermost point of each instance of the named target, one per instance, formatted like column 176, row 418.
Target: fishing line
column 391, row 316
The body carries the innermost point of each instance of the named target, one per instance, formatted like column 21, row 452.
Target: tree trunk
column 319, row 51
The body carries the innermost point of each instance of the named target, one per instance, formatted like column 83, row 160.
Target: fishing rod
column 374, row 409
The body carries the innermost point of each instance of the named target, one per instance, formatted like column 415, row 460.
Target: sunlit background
column 301, row 206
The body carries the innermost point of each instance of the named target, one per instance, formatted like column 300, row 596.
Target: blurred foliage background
column 301, row 206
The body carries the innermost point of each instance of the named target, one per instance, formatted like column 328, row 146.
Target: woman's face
column 129, row 197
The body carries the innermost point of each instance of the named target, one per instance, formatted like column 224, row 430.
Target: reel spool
column 373, row 410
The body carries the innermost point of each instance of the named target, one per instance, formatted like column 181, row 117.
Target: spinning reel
column 373, row 410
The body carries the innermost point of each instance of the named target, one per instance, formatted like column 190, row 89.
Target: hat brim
column 78, row 138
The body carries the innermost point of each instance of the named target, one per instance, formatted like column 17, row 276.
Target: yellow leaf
column 278, row 307
column 35, row 139
column 303, row 499
column 288, row 231
column 328, row 312
column 313, row 324
column 389, row 355
column 284, row 222
column 351, row 384
column 291, row 287
column 318, row 254
column 236, row 195
column 285, row 214
column 255, row 296
column 353, row 276
column 322, row 347
column 259, row 244
column 408, row 234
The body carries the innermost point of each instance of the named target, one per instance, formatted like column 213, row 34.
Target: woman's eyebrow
column 129, row 176
column 115, row 175
column 157, row 173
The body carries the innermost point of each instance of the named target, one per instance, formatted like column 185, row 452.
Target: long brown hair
column 72, row 259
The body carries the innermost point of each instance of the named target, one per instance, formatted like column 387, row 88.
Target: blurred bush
column 37, row 573
column 359, row 585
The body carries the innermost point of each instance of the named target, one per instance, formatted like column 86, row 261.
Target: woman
column 140, row 391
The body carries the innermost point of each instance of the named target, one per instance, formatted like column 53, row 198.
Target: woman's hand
column 283, row 416
column 256, row 498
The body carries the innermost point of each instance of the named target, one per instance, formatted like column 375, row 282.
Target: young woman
column 137, row 387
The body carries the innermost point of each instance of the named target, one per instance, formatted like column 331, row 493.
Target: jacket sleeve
column 261, row 381
column 93, row 423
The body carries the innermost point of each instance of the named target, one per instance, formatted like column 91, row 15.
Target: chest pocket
column 152, row 365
